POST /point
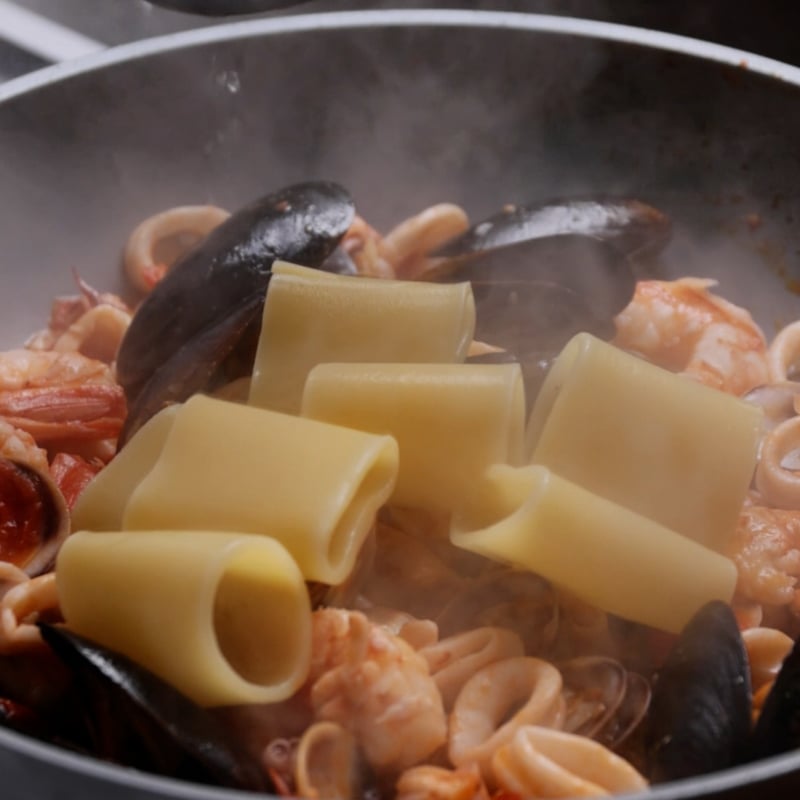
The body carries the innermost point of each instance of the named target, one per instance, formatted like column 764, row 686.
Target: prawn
column 377, row 686
column 766, row 551
column 683, row 327
column 55, row 396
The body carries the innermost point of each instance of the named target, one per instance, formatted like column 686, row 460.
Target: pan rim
column 336, row 20
column 686, row 789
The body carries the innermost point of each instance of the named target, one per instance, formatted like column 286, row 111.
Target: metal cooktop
column 34, row 33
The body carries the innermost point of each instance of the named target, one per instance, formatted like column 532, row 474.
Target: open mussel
column 34, row 519
column 203, row 318
column 134, row 718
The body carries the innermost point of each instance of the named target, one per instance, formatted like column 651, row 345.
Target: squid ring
column 784, row 353
column 476, row 724
column 780, row 484
column 141, row 265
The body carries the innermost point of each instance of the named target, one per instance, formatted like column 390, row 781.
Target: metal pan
column 405, row 108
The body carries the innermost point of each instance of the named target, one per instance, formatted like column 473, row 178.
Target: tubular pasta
column 228, row 467
column 451, row 421
column 541, row 762
column 311, row 318
column 683, row 454
column 232, row 607
column 476, row 723
column 453, row 661
column 607, row 555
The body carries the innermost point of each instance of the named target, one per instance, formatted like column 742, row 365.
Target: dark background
column 771, row 28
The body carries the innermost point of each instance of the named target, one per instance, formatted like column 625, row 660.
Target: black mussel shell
column 139, row 720
column 699, row 719
column 197, row 317
column 630, row 226
column 601, row 281
column 778, row 727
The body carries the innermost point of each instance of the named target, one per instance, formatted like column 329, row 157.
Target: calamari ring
column 141, row 265
column 778, row 483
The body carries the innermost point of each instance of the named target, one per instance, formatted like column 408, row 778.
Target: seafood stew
column 376, row 676
column 584, row 173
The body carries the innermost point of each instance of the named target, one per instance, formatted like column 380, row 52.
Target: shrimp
column 57, row 396
column 20, row 446
column 766, row 550
column 376, row 686
column 682, row 326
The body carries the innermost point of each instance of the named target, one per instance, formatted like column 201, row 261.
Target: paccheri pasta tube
column 222, row 466
column 223, row 617
column 311, row 318
column 605, row 554
column 102, row 504
column 662, row 445
column 451, row 421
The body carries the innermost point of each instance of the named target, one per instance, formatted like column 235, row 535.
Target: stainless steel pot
column 405, row 108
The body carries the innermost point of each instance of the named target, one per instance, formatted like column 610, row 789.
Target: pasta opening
column 256, row 621
column 552, row 386
column 356, row 520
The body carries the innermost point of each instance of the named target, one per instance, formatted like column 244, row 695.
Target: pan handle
column 42, row 37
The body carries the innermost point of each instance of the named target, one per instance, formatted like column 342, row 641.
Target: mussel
column 34, row 519
column 203, row 318
column 630, row 226
column 132, row 717
column 542, row 273
column 699, row 717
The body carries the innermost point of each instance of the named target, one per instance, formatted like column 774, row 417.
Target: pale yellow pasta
column 21, row 603
column 101, row 505
column 311, row 318
column 314, row 487
column 377, row 686
column 783, row 354
column 777, row 476
column 541, row 762
column 664, row 446
column 451, row 421
column 223, row 617
column 528, row 687
column 454, row 660
column 326, row 765
column 427, row 782
column 766, row 650
column 604, row 554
